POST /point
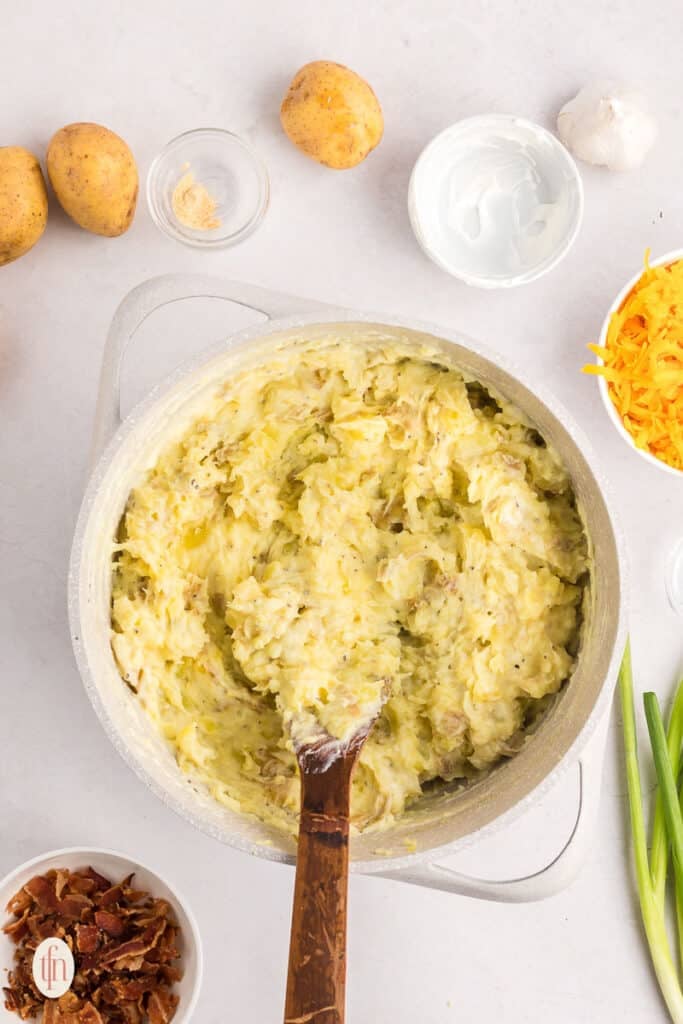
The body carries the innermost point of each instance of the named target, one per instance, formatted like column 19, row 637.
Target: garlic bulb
column 609, row 125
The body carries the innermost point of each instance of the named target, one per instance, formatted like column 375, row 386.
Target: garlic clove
column 609, row 125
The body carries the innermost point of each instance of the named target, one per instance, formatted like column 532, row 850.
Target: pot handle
column 149, row 296
column 556, row 875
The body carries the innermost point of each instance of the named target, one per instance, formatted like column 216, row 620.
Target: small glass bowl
column 231, row 172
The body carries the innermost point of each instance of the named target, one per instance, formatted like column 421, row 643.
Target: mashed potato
column 344, row 525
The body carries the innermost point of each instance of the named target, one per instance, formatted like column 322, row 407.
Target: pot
column 443, row 822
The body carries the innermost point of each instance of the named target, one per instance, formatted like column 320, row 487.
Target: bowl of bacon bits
column 90, row 937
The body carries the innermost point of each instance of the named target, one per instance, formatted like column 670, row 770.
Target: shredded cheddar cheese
column 642, row 361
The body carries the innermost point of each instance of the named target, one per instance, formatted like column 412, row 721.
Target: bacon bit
column 109, row 923
column 44, row 928
column 100, row 881
column 112, row 895
column 137, row 947
column 87, row 937
column 20, row 902
column 124, row 945
column 161, row 1006
column 60, row 882
column 90, row 1015
column 18, row 929
column 12, row 1000
column 73, row 907
column 130, row 963
column 130, row 991
column 131, row 1013
column 43, row 893
column 171, row 974
column 69, row 1002
column 51, row 1014
column 83, row 884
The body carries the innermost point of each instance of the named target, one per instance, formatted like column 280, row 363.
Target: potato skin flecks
column 348, row 521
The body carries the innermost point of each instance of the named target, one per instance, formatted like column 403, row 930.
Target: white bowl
column 115, row 866
column 475, row 150
column 669, row 257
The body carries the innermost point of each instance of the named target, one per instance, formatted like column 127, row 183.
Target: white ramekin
column 421, row 195
column 669, row 257
column 115, row 866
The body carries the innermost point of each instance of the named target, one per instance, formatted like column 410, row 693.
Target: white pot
column 445, row 821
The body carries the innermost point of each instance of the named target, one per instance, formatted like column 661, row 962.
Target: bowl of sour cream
column 495, row 200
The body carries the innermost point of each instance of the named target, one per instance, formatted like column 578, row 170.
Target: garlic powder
column 193, row 204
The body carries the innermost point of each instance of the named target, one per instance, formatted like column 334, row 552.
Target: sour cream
column 495, row 200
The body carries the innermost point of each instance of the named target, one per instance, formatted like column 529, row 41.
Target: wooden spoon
column 316, row 981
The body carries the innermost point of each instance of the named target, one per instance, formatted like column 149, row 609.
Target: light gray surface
column 150, row 72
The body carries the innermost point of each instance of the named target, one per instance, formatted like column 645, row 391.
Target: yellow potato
column 332, row 115
column 94, row 176
column 23, row 202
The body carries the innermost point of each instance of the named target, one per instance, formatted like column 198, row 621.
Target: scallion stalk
column 651, row 890
column 659, row 850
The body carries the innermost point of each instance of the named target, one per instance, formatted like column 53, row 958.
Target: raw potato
column 94, row 176
column 23, row 202
column 332, row 115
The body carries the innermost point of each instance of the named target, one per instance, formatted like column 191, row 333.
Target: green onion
column 667, row 829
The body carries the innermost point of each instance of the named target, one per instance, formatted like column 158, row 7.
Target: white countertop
column 150, row 70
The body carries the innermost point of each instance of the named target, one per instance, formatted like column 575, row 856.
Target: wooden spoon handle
column 316, row 981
